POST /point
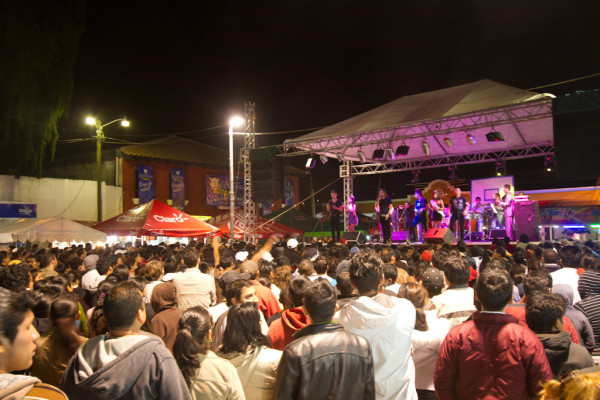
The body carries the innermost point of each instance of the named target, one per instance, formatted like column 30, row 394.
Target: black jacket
column 326, row 362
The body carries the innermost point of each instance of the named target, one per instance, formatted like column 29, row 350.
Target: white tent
column 50, row 230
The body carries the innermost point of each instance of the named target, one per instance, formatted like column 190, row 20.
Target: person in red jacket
column 291, row 321
column 491, row 356
column 267, row 303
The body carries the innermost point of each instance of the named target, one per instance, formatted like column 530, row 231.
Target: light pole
column 99, row 140
column 233, row 122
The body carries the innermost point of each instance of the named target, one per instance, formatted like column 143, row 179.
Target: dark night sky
column 185, row 66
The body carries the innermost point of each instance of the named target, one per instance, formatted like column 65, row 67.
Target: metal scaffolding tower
column 345, row 173
column 249, row 216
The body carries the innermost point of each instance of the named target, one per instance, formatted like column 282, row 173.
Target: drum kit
column 477, row 221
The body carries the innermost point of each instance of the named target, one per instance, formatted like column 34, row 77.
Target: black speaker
column 440, row 235
column 527, row 220
column 353, row 237
column 267, row 175
column 497, row 234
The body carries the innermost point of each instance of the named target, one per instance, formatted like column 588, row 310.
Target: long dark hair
column 191, row 340
column 243, row 333
column 417, row 295
column 63, row 313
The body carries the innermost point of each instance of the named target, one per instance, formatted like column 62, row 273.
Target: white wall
column 72, row 199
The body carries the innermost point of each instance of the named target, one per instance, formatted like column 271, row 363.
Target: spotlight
column 425, row 147
column 310, row 163
column 494, row 136
column 402, row 150
column 340, row 157
column 452, row 173
column 549, row 163
column 471, row 139
column 323, row 158
column 500, row 168
column 416, row 176
column 389, row 154
column 448, row 142
column 378, row 155
column 361, row 157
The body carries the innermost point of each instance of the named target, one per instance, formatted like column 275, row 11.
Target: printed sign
column 217, row 190
column 178, row 188
column 145, row 178
column 17, row 210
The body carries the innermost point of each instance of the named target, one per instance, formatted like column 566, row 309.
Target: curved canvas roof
column 49, row 229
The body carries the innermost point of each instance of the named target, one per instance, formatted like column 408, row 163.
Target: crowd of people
column 291, row 320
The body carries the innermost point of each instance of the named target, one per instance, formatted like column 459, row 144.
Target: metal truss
column 512, row 114
column 345, row 169
column 249, row 213
column 536, row 150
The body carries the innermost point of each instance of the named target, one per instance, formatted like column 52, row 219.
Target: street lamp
column 99, row 140
column 233, row 122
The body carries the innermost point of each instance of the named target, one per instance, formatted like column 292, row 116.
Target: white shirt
column 567, row 276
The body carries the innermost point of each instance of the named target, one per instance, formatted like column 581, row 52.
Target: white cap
column 241, row 256
column 292, row 243
column 267, row 256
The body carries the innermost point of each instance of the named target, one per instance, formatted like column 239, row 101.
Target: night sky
column 185, row 66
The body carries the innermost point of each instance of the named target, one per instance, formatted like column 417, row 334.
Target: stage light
column 549, row 163
column 500, row 168
column 323, row 158
column 361, row 157
column 448, row 142
column 389, row 154
column 416, row 176
column 452, row 173
column 425, row 147
column 402, row 150
column 340, row 157
column 471, row 139
column 378, row 155
column 310, row 163
column 494, row 136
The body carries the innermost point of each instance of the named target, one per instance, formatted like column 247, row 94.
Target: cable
column 75, row 198
column 567, row 81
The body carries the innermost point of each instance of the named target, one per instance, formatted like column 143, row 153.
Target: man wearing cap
column 267, row 303
column 291, row 253
column 92, row 277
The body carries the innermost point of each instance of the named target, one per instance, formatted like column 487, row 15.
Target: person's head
column 456, row 270
column 497, row 196
column 320, row 301
column 457, row 192
column 17, row 334
column 240, row 291
column 477, row 200
column 333, row 195
column 17, row 277
column 417, row 295
column 190, row 257
column 544, row 312
column 124, row 308
column 493, row 289
column 390, row 274
column 366, row 272
column 574, row 386
column 64, row 310
column 344, row 285
column 433, row 281
column 570, row 256
column 351, row 198
column 243, row 329
column 506, row 188
column 436, row 195
column 549, row 256
column 103, row 266
column 154, row 270
column 297, row 289
column 250, row 267
column 537, row 281
column 418, row 194
column 306, row 267
column 193, row 336
column 382, row 193
column 320, row 266
column 281, row 276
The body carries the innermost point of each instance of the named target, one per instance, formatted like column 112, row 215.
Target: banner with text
column 145, row 180
column 178, row 188
column 217, row 190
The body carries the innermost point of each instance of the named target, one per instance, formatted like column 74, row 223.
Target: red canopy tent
column 156, row 219
column 263, row 231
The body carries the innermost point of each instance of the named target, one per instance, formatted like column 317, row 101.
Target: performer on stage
column 335, row 208
column 498, row 220
column 383, row 206
column 508, row 203
column 478, row 216
column 352, row 218
column 436, row 205
column 420, row 214
column 458, row 207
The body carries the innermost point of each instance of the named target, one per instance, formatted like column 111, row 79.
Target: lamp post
column 99, row 140
column 233, row 122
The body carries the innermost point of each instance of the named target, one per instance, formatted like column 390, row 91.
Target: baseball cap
column 292, row 243
column 433, row 276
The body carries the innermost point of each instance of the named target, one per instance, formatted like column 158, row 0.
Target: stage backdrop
column 487, row 187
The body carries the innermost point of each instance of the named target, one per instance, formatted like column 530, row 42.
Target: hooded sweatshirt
column 387, row 323
column 579, row 320
column 127, row 367
column 563, row 355
column 18, row 387
column 282, row 329
column 164, row 323
column 589, row 287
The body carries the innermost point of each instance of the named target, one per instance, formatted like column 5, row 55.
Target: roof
column 523, row 118
column 49, row 229
column 176, row 148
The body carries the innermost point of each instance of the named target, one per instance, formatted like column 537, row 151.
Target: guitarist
column 420, row 219
column 384, row 208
